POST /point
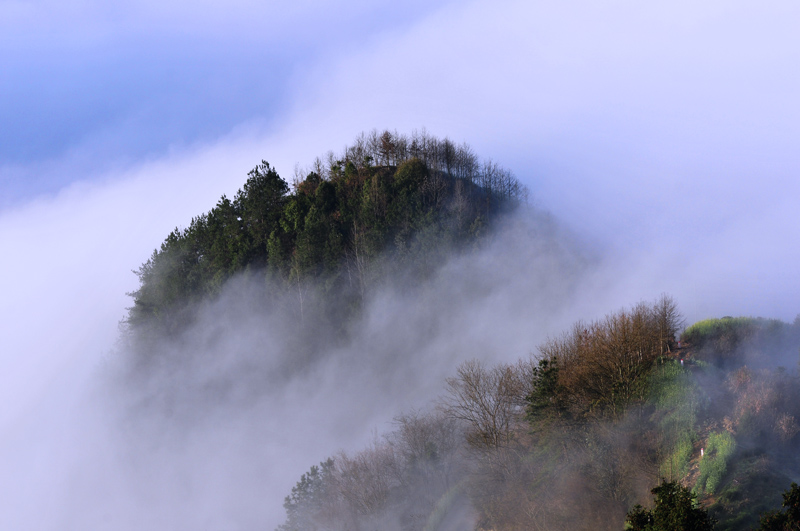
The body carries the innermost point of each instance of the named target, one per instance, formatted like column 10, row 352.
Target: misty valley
column 405, row 301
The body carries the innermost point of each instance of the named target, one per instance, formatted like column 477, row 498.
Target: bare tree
column 603, row 365
column 427, row 446
column 387, row 149
column 669, row 321
column 365, row 480
column 489, row 400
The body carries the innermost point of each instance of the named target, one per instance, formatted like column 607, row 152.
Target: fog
column 215, row 435
column 657, row 141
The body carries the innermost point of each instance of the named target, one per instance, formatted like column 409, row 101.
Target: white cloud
column 658, row 126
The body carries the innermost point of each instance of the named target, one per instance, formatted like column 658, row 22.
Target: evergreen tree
column 675, row 509
column 305, row 506
column 789, row 518
column 328, row 233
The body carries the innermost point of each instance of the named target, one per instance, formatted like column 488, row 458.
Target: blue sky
column 89, row 86
column 93, row 88
column 664, row 134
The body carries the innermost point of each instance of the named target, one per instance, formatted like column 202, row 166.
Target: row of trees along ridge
column 409, row 198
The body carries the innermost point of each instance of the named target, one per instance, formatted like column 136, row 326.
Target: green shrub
column 676, row 465
column 677, row 400
column 714, row 464
column 789, row 518
column 668, row 384
column 675, row 508
column 727, row 330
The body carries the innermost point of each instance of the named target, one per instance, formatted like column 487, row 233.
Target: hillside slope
column 577, row 438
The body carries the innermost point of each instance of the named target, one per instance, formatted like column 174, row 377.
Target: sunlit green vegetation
column 677, row 400
column 726, row 329
column 718, row 451
column 732, row 341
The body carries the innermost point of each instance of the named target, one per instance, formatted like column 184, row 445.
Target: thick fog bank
column 220, row 425
column 241, row 404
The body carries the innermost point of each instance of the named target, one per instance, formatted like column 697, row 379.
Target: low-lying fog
column 217, row 440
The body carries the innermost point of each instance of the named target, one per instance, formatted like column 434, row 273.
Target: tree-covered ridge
column 577, row 438
column 406, row 198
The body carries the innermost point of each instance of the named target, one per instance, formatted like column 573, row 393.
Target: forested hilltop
column 388, row 202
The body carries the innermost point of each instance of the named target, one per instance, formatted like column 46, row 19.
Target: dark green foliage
column 789, row 518
column 544, row 402
column 675, row 509
column 260, row 204
column 306, row 505
column 195, row 262
column 754, row 485
column 331, row 230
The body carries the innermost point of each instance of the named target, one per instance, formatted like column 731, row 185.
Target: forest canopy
column 401, row 199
